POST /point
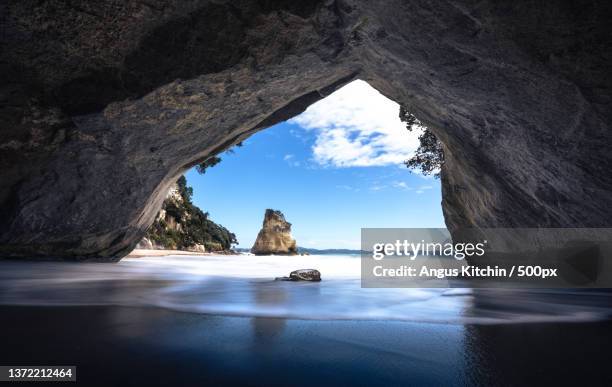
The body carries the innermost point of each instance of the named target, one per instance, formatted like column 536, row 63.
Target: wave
column 244, row 285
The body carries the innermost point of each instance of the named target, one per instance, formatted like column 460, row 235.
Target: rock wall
column 274, row 236
column 104, row 104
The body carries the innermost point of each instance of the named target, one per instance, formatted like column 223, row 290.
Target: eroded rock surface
column 312, row 275
column 104, row 104
column 274, row 236
column 305, row 275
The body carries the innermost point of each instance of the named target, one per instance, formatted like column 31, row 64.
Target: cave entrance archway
column 331, row 170
column 105, row 115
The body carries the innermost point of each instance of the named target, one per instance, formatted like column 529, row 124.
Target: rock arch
column 104, row 104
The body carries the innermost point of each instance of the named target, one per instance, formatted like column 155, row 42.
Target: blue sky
column 332, row 170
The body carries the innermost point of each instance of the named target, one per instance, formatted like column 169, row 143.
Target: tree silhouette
column 429, row 156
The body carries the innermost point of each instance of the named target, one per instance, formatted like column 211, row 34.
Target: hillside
column 180, row 225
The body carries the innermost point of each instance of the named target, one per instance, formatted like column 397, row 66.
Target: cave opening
column 340, row 165
column 105, row 104
column 93, row 142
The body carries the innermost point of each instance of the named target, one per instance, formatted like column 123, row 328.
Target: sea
column 225, row 320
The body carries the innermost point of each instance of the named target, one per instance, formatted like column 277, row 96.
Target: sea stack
column 274, row 236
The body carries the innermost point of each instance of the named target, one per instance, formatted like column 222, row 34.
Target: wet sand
column 152, row 346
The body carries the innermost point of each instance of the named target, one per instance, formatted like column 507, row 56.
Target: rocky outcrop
column 274, row 236
column 181, row 225
column 100, row 112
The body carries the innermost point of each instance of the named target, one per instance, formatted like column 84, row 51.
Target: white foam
column 251, row 266
column 244, row 285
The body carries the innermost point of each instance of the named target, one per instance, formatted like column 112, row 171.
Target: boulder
column 197, row 248
column 145, row 243
column 274, row 236
column 312, row 275
column 305, row 275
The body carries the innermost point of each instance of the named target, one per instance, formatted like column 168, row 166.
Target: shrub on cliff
column 212, row 161
column 429, row 156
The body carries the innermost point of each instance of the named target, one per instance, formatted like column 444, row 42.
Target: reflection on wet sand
column 265, row 329
column 151, row 346
column 536, row 353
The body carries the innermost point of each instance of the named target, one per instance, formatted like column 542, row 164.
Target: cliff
column 182, row 225
column 100, row 114
column 274, row 236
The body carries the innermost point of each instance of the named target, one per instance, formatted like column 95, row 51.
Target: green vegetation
column 209, row 162
column 212, row 161
column 185, row 225
column 429, row 156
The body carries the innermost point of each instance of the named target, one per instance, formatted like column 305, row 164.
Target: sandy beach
column 139, row 253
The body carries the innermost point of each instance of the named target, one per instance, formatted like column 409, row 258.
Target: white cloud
column 357, row 126
column 401, row 184
column 423, row 188
column 290, row 159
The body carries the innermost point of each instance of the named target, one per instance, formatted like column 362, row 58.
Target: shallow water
column 244, row 285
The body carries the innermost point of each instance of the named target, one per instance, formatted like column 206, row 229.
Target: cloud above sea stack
column 357, row 126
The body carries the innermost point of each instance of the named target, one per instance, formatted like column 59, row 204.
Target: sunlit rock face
column 105, row 104
column 274, row 236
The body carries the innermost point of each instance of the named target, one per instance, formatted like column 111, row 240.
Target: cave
column 104, row 104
